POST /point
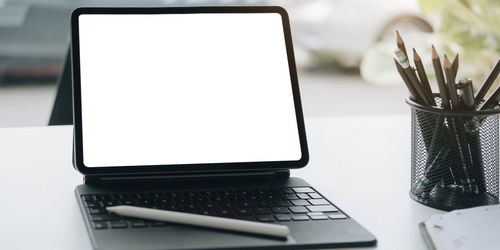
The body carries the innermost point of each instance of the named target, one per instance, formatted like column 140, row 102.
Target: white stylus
column 202, row 220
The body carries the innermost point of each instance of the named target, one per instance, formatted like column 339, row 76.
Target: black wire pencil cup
column 454, row 159
column 454, row 135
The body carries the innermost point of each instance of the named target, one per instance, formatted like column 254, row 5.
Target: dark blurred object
column 62, row 111
column 34, row 33
column 32, row 39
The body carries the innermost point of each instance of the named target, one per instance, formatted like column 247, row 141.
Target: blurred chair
column 62, row 111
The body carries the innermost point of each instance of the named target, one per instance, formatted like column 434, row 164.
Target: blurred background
column 343, row 49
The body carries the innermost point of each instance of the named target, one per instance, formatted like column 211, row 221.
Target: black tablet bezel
column 183, row 168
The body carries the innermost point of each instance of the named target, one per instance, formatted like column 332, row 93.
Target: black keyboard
column 263, row 205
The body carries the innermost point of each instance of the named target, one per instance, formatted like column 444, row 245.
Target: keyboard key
column 246, row 204
column 180, row 200
column 262, row 210
column 227, row 205
column 263, row 204
column 162, row 201
column 191, row 207
column 95, row 211
column 138, row 196
column 325, row 208
column 319, row 217
column 265, row 218
column 315, row 213
column 87, row 197
column 282, row 217
column 303, row 190
column 337, row 216
column 226, row 212
column 98, row 197
column 199, row 200
column 287, row 190
column 319, row 202
column 155, row 195
column 300, row 217
column 128, row 202
column 207, row 194
column 290, row 197
column 208, row 206
column 235, row 198
column 254, row 198
column 303, row 196
column 243, row 211
column 300, row 202
column 242, row 193
column 174, row 195
column 204, row 212
column 173, row 207
column 90, row 204
column 190, row 194
column 283, row 203
column 100, row 225
column 119, row 224
column 315, row 195
column 137, row 224
column 217, row 198
column 298, row 209
column 270, row 197
column 260, row 192
column 110, row 203
column 280, row 210
column 99, row 218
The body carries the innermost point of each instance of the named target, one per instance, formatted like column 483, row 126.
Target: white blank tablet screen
column 185, row 88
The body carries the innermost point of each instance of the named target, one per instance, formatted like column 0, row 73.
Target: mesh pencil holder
column 454, row 157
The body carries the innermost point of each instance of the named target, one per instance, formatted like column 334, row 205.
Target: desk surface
column 361, row 163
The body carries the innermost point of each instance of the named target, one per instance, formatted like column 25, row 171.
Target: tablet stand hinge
column 175, row 178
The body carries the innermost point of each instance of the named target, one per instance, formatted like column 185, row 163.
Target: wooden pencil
column 438, row 70
column 413, row 92
column 487, row 83
column 454, row 67
column 450, row 82
column 401, row 43
column 403, row 60
column 423, row 76
column 492, row 101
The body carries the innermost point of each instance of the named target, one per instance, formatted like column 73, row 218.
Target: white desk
column 361, row 163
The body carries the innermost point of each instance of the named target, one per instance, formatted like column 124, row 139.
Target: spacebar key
column 325, row 208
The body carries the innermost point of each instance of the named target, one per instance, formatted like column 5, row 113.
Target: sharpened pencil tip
column 416, row 57
column 447, row 63
column 455, row 61
column 399, row 39
column 434, row 53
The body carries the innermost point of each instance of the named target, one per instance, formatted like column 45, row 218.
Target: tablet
column 185, row 89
